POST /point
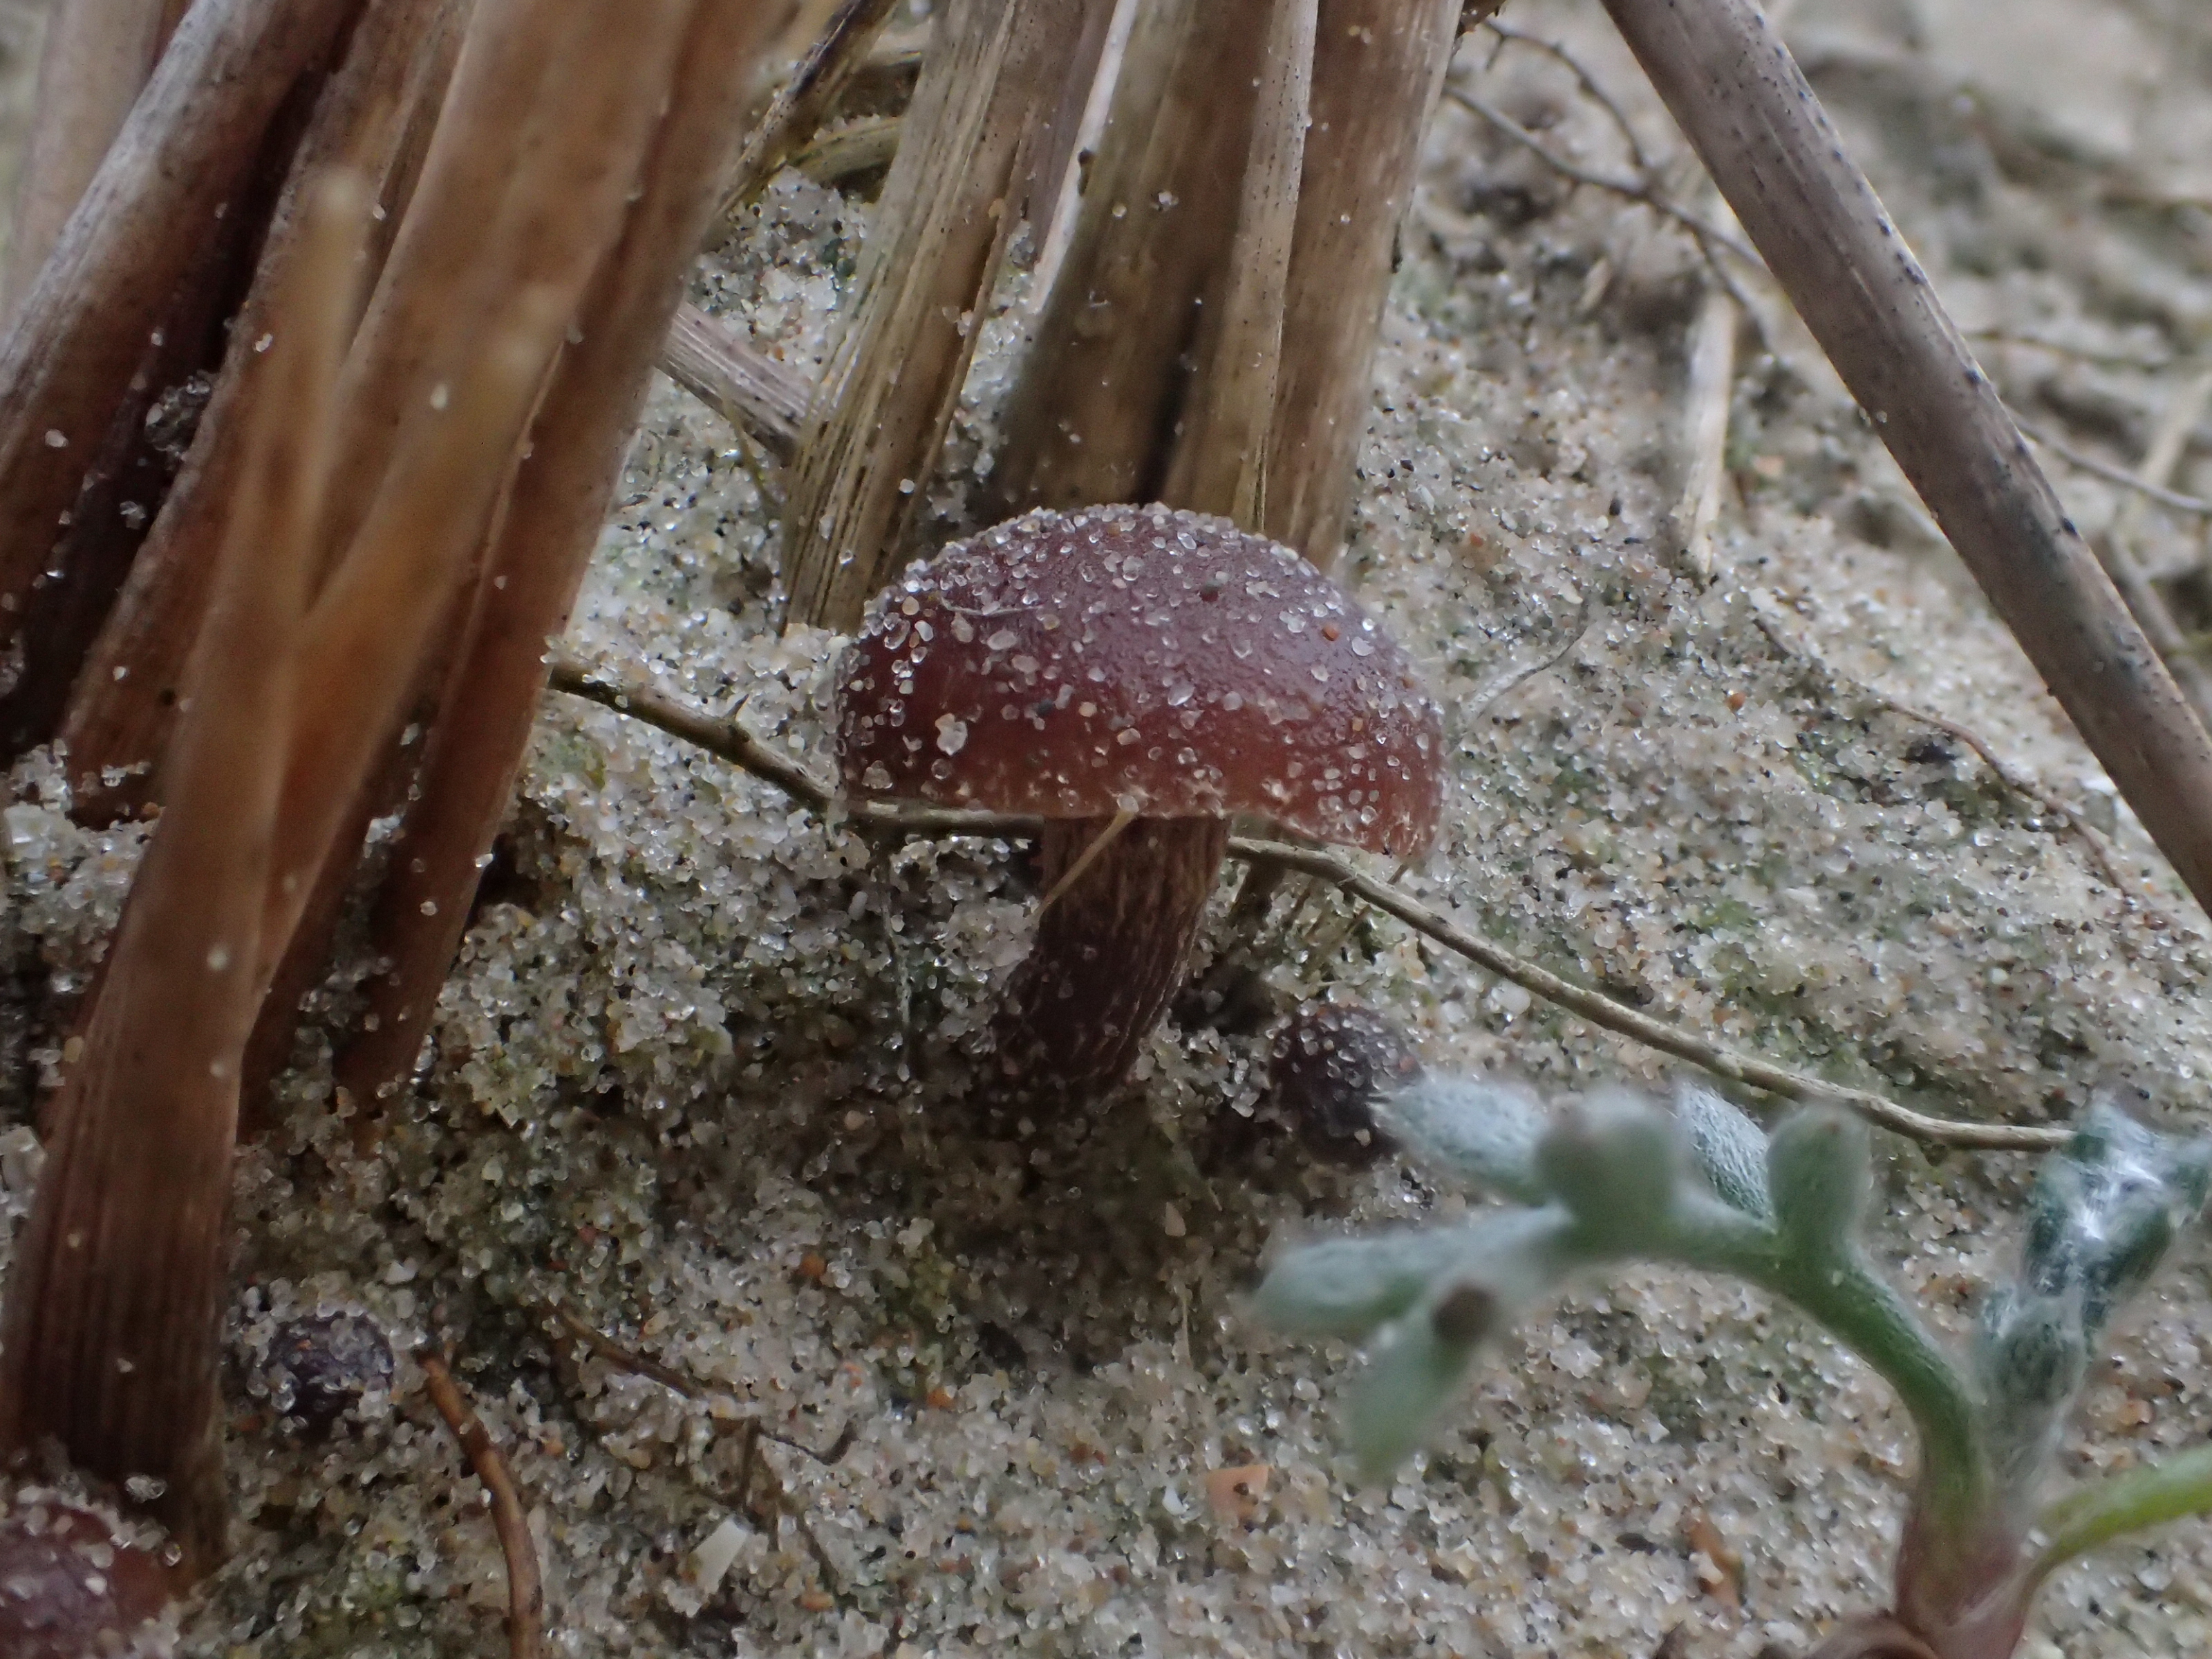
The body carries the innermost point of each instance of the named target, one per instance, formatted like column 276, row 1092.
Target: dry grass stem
column 552, row 104
column 1704, row 446
column 112, row 1306
column 123, row 704
column 98, row 54
column 2112, row 473
column 2177, row 424
column 1089, row 64
column 1089, row 127
column 1093, row 412
column 1645, row 191
column 525, row 185
column 947, row 212
column 1603, row 1012
column 2103, row 358
column 526, row 1588
column 82, row 328
column 1220, row 463
column 730, row 741
column 377, row 614
column 762, row 398
column 1762, row 134
column 1592, row 88
column 1378, row 66
column 557, row 503
column 831, row 158
column 805, row 101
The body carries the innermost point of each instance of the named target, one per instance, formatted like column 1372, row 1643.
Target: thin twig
column 1706, row 398
column 2014, row 336
column 629, row 1359
column 740, row 747
column 776, row 1502
column 2116, row 546
column 732, row 742
column 2019, row 782
column 525, row 1589
column 1636, row 189
column 1590, row 85
column 829, row 158
column 2112, row 472
column 1602, row 1011
column 721, row 1402
column 1514, row 679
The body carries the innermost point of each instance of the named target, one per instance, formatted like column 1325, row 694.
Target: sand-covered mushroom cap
column 1141, row 659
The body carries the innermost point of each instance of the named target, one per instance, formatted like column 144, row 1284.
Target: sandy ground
column 688, row 1081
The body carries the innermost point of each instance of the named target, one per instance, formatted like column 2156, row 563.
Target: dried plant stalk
column 551, row 105
column 750, row 390
column 556, row 508
column 98, row 54
column 571, row 125
column 377, row 614
column 124, row 703
column 1056, row 222
column 111, row 1323
column 1093, row 414
column 526, row 1588
column 1741, row 99
column 804, row 102
column 1376, row 75
column 887, row 394
column 1221, row 454
column 1704, row 443
column 1050, row 164
column 78, row 338
column 2115, row 548
column 106, row 522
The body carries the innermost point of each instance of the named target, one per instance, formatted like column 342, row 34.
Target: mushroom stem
column 1109, row 950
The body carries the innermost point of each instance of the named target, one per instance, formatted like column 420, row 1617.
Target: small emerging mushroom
column 1135, row 676
column 1327, row 1068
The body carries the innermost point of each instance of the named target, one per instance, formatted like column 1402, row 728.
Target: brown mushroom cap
column 1141, row 659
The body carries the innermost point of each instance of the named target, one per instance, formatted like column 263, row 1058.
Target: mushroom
column 1328, row 1067
column 1134, row 677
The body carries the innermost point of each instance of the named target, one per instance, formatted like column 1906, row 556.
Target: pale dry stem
column 1092, row 415
column 548, row 118
column 1220, row 464
column 750, row 390
column 1378, row 67
column 82, row 329
column 948, row 211
column 805, row 101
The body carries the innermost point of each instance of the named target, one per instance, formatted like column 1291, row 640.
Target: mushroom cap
column 1142, row 660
